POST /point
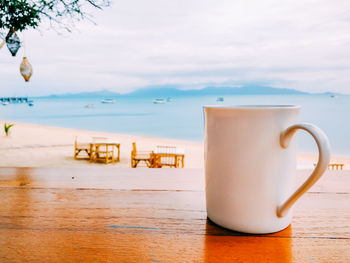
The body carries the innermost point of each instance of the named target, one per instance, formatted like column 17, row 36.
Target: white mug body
column 248, row 174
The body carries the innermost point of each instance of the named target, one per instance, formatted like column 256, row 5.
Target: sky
column 303, row 45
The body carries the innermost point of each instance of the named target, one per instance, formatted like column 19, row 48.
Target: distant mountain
column 102, row 93
column 174, row 91
column 157, row 92
column 210, row 91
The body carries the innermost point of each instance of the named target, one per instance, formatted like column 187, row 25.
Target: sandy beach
column 31, row 145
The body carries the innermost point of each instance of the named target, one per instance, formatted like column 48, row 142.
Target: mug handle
column 322, row 164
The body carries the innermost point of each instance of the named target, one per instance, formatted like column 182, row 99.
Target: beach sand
column 31, row 145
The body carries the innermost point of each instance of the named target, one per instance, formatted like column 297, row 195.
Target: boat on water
column 30, row 103
column 159, row 101
column 220, row 99
column 89, row 105
column 108, row 101
column 5, row 103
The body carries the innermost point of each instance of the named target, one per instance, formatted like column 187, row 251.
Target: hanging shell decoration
column 26, row 69
column 13, row 43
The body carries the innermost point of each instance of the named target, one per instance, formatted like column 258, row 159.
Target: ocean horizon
column 181, row 118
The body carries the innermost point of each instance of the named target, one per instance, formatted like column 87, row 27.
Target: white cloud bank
column 303, row 45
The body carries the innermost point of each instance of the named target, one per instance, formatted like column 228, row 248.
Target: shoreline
column 34, row 145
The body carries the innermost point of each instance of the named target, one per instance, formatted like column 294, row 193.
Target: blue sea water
column 182, row 118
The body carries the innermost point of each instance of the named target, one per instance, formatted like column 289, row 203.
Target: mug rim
column 252, row 107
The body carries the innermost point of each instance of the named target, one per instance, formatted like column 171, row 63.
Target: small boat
column 159, row 101
column 89, row 105
column 30, row 103
column 220, row 99
column 5, row 103
column 108, row 101
column 332, row 96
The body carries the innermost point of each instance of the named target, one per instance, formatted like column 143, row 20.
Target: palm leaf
column 7, row 128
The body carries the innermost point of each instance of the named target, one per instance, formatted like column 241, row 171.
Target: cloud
column 301, row 45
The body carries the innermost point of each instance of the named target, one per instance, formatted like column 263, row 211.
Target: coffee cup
column 250, row 165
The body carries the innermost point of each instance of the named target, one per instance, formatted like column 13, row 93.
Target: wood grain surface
column 155, row 215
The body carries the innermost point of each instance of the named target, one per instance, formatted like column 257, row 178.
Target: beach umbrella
column 13, row 43
column 26, row 69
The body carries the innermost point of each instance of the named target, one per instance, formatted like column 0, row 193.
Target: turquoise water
column 181, row 118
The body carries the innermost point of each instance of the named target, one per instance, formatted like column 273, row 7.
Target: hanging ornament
column 26, row 69
column 13, row 43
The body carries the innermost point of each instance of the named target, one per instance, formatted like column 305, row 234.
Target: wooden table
column 177, row 158
column 95, row 150
column 104, row 214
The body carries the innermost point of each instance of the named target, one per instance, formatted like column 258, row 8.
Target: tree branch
column 23, row 14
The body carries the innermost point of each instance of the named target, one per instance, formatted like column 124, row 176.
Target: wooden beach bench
column 162, row 156
column 79, row 148
column 141, row 156
column 334, row 166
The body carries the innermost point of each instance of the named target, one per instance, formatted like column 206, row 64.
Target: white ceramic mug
column 250, row 164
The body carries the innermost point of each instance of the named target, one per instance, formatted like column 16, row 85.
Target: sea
column 181, row 118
